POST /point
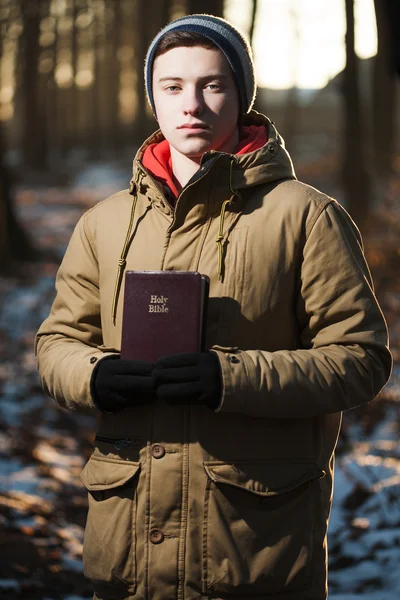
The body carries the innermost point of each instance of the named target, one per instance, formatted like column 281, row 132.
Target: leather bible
column 164, row 313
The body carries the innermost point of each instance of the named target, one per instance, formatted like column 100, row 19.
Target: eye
column 172, row 88
column 213, row 86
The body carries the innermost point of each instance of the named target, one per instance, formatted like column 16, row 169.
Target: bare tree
column 33, row 113
column 383, row 93
column 292, row 112
column 113, row 74
column 356, row 177
column 151, row 16
column 69, row 96
column 14, row 243
column 98, row 90
column 254, row 7
column 393, row 8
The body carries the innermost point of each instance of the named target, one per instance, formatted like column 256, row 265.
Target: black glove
column 189, row 379
column 117, row 384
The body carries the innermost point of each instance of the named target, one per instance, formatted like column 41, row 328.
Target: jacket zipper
column 197, row 178
column 118, row 443
column 189, row 185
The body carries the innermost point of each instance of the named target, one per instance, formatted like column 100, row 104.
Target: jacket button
column 156, row 536
column 93, row 359
column 234, row 359
column 158, row 451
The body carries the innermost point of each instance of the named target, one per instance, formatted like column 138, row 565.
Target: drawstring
column 230, row 177
column 220, row 236
column 122, row 259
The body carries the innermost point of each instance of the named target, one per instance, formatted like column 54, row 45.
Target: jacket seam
column 317, row 196
column 358, row 239
column 165, row 249
column 243, row 286
column 147, row 517
column 205, row 535
column 321, row 203
column 89, row 237
column 317, row 213
column 119, row 461
column 108, row 199
column 246, row 371
column 184, row 509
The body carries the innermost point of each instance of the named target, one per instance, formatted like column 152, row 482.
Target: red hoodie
column 157, row 157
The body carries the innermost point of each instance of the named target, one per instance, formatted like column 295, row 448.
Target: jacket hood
column 267, row 164
column 157, row 157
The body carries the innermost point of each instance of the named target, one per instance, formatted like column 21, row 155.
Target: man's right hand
column 117, row 384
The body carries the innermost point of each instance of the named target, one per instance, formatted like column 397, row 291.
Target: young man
column 211, row 475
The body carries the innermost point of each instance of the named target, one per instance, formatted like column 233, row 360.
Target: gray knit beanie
column 227, row 38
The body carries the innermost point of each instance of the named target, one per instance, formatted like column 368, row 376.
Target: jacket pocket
column 259, row 527
column 109, row 545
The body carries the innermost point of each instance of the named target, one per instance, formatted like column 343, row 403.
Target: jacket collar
column 267, row 164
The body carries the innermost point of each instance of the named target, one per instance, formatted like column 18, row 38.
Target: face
column 196, row 101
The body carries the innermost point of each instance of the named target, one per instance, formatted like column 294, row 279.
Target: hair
column 176, row 39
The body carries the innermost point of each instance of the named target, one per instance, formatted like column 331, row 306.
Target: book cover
column 164, row 313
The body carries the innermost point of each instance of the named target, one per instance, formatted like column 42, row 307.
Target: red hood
column 157, row 157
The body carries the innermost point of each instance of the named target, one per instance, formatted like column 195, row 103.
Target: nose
column 193, row 103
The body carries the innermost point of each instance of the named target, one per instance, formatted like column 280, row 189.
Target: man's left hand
column 192, row 378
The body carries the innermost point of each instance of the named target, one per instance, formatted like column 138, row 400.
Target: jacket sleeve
column 66, row 343
column 343, row 359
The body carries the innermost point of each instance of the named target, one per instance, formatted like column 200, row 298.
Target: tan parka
column 188, row 503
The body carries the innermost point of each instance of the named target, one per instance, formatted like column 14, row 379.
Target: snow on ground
column 43, row 448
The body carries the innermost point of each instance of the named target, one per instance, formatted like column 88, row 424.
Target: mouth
column 194, row 127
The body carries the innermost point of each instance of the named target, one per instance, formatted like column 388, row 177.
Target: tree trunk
column 114, row 77
column 383, row 94
column 292, row 112
column 51, row 99
column 253, row 21
column 356, row 178
column 34, row 117
column 139, row 37
column 393, row 7
column 152, row 15
column 96, row 141
column 68, row 95
column 14, row 243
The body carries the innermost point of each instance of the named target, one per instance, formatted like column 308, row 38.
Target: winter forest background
column 72, row 114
